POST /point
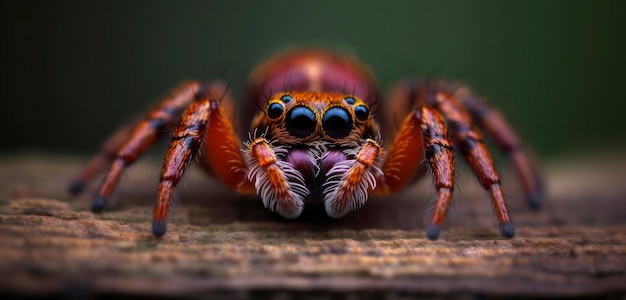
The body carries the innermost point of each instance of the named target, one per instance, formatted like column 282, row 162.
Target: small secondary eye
column 285, row 99
column 337, row 122
column 301, row 121
column 361, row 112
column 275, row 110
column 350, row 100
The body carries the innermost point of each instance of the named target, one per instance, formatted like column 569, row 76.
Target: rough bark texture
column 225, row 246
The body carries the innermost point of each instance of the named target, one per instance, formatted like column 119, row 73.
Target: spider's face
column 301, row 117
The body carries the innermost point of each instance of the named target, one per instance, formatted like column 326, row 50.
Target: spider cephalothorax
column 316, row 139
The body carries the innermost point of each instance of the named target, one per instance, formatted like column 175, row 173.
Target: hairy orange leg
column 422, row 135
column 470, row 141
column 204, row 125
column 349, row 181
column 502, row 133
column 438, row 150
column 424, row 130
column 281, row 187
column 161, row 118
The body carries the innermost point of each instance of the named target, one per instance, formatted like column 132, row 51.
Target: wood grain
column 221, row 245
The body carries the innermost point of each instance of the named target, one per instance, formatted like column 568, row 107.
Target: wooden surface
column 225, row 246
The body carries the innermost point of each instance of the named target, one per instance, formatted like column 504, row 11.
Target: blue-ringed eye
column 361, row 112
column 275, row 110
column 349, row 100
column 337, row 122
column 285, row 98
column 300, row 121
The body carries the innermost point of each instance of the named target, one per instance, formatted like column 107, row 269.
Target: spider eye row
column 276, row 109
column 300, row 120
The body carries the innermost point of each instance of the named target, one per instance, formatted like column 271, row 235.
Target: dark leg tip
column 535, row 201
column 98, row 203
column 159, row 228
column 507, row 230
column 433, row 232
column 75, row 187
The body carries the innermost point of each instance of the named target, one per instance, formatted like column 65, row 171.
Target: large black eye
column 361, row 112
column 301, row 121
column 337, row 122
column 275, row 110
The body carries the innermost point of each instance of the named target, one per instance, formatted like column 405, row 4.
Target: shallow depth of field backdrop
column 72, row 71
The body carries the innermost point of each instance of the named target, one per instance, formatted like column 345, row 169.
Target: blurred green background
column 72, row 71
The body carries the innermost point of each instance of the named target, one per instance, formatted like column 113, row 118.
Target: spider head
column 298, row 117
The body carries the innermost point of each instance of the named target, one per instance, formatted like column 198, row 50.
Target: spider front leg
column 472, row 146
column 204, row 128
column 423, row 133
